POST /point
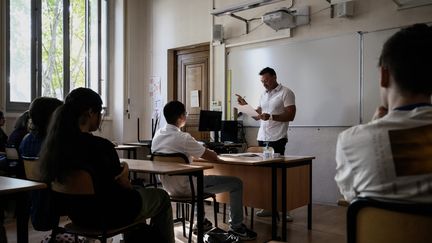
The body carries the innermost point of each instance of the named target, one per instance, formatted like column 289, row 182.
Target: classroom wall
column 176, row 24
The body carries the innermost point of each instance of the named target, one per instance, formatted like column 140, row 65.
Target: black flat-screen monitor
column 210, row 121
column 229, row 131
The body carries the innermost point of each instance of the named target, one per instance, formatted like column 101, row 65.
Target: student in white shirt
column 390, row 157
column 170, row 139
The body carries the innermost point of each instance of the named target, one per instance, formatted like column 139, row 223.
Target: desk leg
column 22, row 218
column 310, row 197
column 274, row 203
column 284, row 201
column 3, row 238
column 134, row 153
column 200, row 207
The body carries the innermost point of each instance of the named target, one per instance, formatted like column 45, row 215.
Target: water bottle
column 268, row 152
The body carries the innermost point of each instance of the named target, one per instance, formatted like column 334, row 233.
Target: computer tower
column 230, row 131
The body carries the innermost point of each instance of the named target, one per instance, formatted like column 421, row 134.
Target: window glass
column 20, row 51
column 52, row 49
column 77, row 44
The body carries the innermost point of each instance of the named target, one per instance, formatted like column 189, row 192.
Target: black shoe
column 207, row 225
column 243, row 233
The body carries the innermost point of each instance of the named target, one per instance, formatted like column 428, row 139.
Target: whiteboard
column 323, row 74
column 372, row 46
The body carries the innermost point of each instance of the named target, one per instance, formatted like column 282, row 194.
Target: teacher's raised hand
column 241, row 100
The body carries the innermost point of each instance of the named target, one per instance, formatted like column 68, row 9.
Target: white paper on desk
column 247, row 109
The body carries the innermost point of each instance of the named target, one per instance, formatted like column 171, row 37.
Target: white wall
column 173, row 23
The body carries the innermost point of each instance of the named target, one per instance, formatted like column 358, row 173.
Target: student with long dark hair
column 69, row 146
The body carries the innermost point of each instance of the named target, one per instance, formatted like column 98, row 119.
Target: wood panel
column 193, row 74
column 257, row 185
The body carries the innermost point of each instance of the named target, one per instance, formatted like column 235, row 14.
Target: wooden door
column 192, row 69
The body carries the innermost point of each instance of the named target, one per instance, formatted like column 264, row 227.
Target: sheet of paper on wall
column 247, row 109
column 194, row 98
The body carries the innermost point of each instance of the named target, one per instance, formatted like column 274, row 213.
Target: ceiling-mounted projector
column 279, row 19
column 228, row 10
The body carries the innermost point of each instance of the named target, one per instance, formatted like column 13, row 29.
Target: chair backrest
column 411, row 151
column 170, row 157
column 79, row 182
column 11, row 153
column 255, row 149
column 370, row 220
column 32, row 168
column 174, row 158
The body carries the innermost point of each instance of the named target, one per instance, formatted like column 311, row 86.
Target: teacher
column 275, row 110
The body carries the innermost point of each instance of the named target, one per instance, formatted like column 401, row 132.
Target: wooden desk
column 130, row 149
column 144, row 143
column 18, row 188
column 167, row 168
column 294, row 185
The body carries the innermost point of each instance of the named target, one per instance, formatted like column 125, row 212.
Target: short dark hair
column 1, row 114
column 268, row 70
column 173, row 110
column 408, row 57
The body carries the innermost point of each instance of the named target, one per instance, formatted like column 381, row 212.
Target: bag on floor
column 217, row 235
column 64, row 238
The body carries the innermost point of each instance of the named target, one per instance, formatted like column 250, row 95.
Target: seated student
column 69, row 145
column 170, row 139
column 3, row 136
column 40, row 113
column 374, row 159
column 20, row 130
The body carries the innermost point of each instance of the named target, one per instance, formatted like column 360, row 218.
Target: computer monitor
column 229, row 131
column 210, row 121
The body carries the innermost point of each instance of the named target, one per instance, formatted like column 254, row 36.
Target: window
column 54, row 46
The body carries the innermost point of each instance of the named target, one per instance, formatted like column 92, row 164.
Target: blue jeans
column 233, row 185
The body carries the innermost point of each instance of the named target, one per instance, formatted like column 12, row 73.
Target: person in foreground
column 3, row 136
column 170, row 139
column 390, row 157
column 69, row 145
column 20, row 130
column 275, row 110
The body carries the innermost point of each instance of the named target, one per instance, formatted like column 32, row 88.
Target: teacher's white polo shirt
column 273, row 102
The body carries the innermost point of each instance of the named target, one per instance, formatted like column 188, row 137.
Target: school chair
column 13, row 161
column 79, row 184
column 32, row 168
column 191, row 200
column 372, row 220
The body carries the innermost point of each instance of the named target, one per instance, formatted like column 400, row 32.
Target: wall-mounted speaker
column 218, row 32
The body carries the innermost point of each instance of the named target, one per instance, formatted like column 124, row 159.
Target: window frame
column 36, row 52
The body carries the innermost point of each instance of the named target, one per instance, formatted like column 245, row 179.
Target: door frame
column 172, row 66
